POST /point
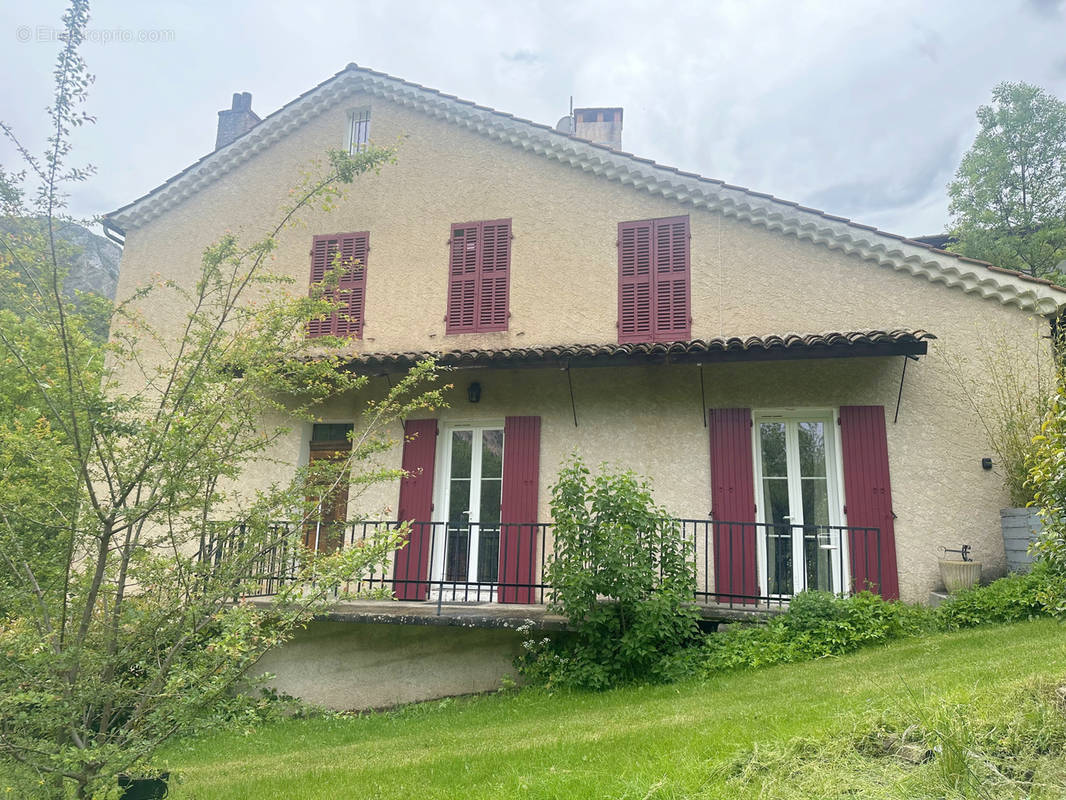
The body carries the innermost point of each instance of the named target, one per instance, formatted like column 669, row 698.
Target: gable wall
column 745, row 280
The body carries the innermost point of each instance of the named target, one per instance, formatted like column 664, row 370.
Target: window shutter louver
column 653, row 280
column 733, row 501
column 494, row 275
column 479, row 277
column 868, row 500
column 671, row 279
column 634, row 281
column 350, row 294
column 462, row 279
column 518, row 540
column 411, row 579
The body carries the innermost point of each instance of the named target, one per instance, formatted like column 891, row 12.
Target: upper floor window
column 348, row 253
column 653, row 280
column 479, row 267
column 358, row 129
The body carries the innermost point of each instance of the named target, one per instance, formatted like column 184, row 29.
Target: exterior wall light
column 473, row 392
column 986, row 463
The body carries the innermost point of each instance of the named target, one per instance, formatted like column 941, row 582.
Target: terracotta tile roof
column 774, row 347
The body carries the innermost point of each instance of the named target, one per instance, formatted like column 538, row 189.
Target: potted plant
column 959, row 573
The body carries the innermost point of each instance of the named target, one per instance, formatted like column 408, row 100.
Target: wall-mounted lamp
column 473, row 392
column 986, row 463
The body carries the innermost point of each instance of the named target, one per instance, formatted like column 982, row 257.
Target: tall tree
column 127, row 458
column 1008, row 198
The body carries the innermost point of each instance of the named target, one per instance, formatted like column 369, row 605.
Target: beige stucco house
column 781, row 375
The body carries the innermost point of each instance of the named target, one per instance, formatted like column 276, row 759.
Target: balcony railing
column 737, row 564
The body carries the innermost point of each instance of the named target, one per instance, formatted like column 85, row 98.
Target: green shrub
column 1010, row 599
column 623, row 576
column 817, row 624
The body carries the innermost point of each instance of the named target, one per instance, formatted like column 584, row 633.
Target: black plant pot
column 143, row 788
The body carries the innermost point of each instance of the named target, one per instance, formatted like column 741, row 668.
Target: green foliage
column 623, row 577
column 120, row 461
column 817, row 624
column 1008, row 198
column 806, row 731
column 926, row 747
column 1047, row 478
column 1011, row 599
column 1007, row 387
column 820, row 624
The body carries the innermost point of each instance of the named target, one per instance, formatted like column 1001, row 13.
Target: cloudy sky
column 861, row 109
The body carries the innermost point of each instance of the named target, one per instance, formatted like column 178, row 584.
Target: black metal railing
column 460, row 562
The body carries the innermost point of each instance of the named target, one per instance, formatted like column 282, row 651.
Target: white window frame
column 834, row 485
column 356, row 116
column 441, row 498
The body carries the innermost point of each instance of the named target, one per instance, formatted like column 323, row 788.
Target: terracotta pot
column 959, row 575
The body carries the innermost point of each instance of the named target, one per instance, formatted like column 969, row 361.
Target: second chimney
column 600, row 125
column 236, row 121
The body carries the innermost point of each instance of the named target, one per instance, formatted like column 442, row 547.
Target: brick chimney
column 236, row 121
column 600, row 125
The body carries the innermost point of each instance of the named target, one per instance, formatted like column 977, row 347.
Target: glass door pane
column 798, row 545
column 777, row 507
column 819, row 547
column 457, row 538
column 488, row 518
column 473, row 485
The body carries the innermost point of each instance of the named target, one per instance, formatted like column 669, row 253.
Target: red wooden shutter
column 463, row 279
column 671, row 318
column 518, row 509
column 733, row 504
column 494, row 275
column 868, row 500
column 350, row 293
column 321, row 257
column 416, row 505
column 653, row 280
column 351, row 287
column 634, row 281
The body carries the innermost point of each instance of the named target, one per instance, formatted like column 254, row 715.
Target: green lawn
column 685, row 740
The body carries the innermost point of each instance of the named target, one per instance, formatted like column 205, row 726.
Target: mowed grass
column 674, row 741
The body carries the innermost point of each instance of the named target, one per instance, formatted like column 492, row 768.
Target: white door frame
column 441, row 499
column 834, row 485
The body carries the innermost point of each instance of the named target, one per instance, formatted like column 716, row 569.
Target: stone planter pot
column 1021, row 527
column 959, row 575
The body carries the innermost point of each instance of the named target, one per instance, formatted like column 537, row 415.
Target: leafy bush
column 623, row 577
column 1047, row 478
column 817, row 624
column 1010, row 599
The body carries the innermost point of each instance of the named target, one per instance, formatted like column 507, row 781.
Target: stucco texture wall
column 746, row 280
column 355, row 666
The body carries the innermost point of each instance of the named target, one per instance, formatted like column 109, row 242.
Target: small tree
column 1047, row 480
column 1008, row 198
column 127, row 457
column 624, row 577
column 1008, row 389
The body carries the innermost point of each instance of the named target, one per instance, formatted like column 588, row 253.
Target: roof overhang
column 785, row 347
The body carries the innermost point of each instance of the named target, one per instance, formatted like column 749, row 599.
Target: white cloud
column 862, row 108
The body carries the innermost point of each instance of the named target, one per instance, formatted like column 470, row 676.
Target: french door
column 798, row 495
column 466, row 557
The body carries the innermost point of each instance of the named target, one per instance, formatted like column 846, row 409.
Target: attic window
column 358, row 130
